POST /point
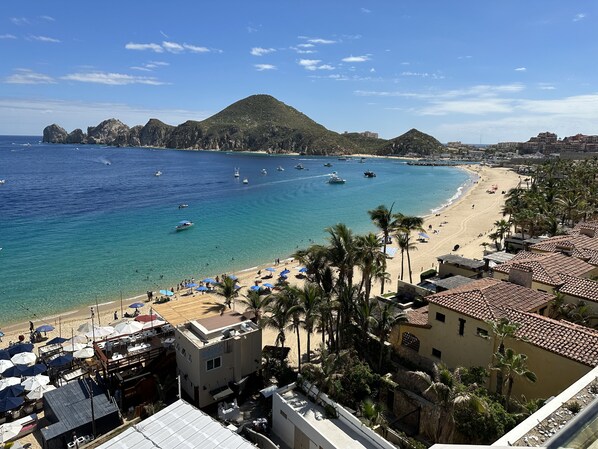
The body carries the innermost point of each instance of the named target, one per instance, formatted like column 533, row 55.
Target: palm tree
column 291, row 298
column 280, row 315
column 370, row 259
column 364, row 316
column 407, row 225
column 227, row 288
column 386, row 320
column 384, row 220
column 256, row 304
column 502, row 329
column 512, row 364
column 371, row 411
column 310, row 300
column 341, row 252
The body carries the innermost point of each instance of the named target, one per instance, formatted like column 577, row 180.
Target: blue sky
column 473, row 71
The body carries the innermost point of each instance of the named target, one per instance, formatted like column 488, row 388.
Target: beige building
column 581, row 245
column 453, row 329
column 216, row 354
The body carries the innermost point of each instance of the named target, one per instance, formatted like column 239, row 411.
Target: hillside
column 413, row 142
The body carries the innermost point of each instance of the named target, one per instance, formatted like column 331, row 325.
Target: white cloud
column 372, row 70
column 472, row 107
column 153, row 47
column 20, row 21
column 521, row 69
column 148, row 67
column 48, row 18
column 164, row 35
column 171, row 47
column 313, row 64
column 305, row 45
column 259, row 51
column 325, row 67
column 198, row 49
column 435, row 76
column 579, row 16
column 262, row 67
column 465, row 57
column 356, row 58
column 366, row 11
column 112, row 79
column 25, row 76
column 44, row 39
column 546, row 86
column 321, row 41
column 7, row 36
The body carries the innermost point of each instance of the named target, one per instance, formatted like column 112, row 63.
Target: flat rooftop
column 453, row 259
column 217, row 328
column 179, row 311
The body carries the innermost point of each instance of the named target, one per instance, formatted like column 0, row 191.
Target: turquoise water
column 84, row 223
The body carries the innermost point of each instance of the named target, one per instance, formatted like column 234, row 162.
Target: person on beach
column 115, row 315
column 31, row 326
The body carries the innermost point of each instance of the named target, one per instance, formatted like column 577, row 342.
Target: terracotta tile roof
column 485, row 299
column 547, row 268
column 566, row 339
column 418, row 317
column 582, row 246
column 582, row 288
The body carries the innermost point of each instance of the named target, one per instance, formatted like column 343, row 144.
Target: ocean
column 86, row 223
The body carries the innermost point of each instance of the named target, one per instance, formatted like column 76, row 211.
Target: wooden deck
column 188, row 308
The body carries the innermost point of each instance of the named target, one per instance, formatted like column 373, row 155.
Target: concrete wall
column 446, row 269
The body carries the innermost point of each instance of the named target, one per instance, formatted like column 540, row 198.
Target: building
column 370, row 134
column 453, row 265
column 582, row 245
column 178, row 425
column 302, row 424
column 215, row 355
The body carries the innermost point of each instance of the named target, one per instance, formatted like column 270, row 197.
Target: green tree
column 511, row 364
column 227, row 288
column 388, row 317
column 384, row 220
column 256, row 304
column 407, row 225
column 502, row 329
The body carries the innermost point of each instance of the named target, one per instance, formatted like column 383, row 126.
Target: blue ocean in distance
column 80, row 223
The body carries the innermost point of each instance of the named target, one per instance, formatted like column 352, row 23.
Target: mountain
column 258, row 122
column 413, row 142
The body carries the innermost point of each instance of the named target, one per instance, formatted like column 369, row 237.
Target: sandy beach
column 459, row 223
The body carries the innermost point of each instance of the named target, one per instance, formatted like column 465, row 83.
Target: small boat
column 342, row 158
column 158, row 173
column 369, row 174
column 327, row 164
column 264, row 172
column 245, row 181
column 185, row 224
column 279, row 168
column 299, row 167
column 2, row 181
column 183, row 206
column 335, row 179
column 362, row 160
column 236, row 172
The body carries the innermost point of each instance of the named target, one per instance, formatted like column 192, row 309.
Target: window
column 436, row 353
column 284, row 415
column 440, row 317
column 542, row 311
column 481, row 332
column 213, row 363
column 461, row 326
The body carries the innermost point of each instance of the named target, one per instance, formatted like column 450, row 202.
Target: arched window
column 411, row 341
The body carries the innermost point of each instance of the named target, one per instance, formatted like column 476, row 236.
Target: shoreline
column 246, row 275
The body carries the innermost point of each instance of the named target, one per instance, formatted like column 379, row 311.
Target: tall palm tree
column 290, row 296
column 384, row 220
column 279, row 317
column 407, row 225
column 227, row 288
column 512, row 364
column 502, row 329
column 256, row 304
column 364, row 316
column 342, row 252
column 310, row 300
column 386, row 320
column 370, row 259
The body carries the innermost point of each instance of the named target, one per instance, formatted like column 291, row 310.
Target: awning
column 219, row 393
column 268, row 391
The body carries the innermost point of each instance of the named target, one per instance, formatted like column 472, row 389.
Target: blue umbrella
column 191, row 285
column 34, row 370
column 12, row 391
column 423, row 235
column 10, row 403
column 56, row 340
column 166, row 292
column 14, row 371
column 61, row 360
column 1, row 334
column 209, row 281
column 283, row 276
column 136, row 305
column 302, row 270
column 254, row 288
column 237, row 287
column 233, row 277
column 267, row 284
column 21, row 347
column 270, row 269
column 285, row 271
column 4, row 355
column 45, row 328
column 202, row 288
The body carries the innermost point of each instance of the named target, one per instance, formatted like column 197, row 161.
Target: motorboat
column 264, row 171
column 335, row 179
column 327, row 164
column 158, row 173
column 362, row 160
column 279, row 168
column 299, row 167
column 245, row 181
column 236, row 172
column 2, row 181
column 183, row 206
column 185, row 224
column 342, row 159
column 369, row 174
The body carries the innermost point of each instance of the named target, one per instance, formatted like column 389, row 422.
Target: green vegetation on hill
column 413, row 141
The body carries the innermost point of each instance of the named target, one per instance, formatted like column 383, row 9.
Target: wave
column 461, row 190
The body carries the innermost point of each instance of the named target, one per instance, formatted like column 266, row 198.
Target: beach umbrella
column 84, row 353
column 10, row 430
column 85, row 327
column 4, row 355
column 24, row 358
column 423, row 235
column 233, row 277
column 139, row 305
column 146, row 318
column 155, row 323
column 283, row 276
column 56, row 341
column 14, row 371
column 166, row 292
column 45, row 328
column 267, row 284
column 1, row 334
column 209, row 281
column 61, row 360
column 21, row 347
column 302, row 270
column 31, row 383
column 73, row 346
column 128, row 327
column 271, row 269
column 5, row 364
column 237, row 287
column 191, row 285
column 254, row 288
column 12, row 391
column 202, row 288
column 34, row 370
column 38, row 393
column 100, row 332
column 9, row 381
column 285, row 271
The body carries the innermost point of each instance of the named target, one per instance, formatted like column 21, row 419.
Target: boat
column 245, row 181
column 362, row 160
column 2, row 181
column 185, row 224
column 369, row 174
column 279, row 168
column 327, row 164
column 183, row 206
column 264, row 172
column 236, row 172
column 335, row 179
column 342, row 159
column 299, row 167
column 158, row 173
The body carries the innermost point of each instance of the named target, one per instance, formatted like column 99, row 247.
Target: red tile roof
column 547, row 268
column 418, row 317
column 583, row 247
column 486, row 298
column 582, row 288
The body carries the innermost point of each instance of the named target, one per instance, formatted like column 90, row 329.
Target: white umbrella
column 129, row 327
column 9, row 381
column 9, row 431
column 84, row 353
column 24, row 358
column 154, row 323
column 38, row 393
column 72, row 347
column 31, row 383
column 5, row 364
column 100, row 332
column 85, row 328
column 77, row 339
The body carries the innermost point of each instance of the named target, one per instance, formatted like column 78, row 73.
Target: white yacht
column 335, row 179
column 158, row 173
column 245, row 181
column 264, row 172
column 236, row 172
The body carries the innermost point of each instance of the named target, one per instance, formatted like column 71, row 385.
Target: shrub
column 574, row 407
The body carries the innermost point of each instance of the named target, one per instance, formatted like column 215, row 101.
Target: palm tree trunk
column 384, row 264
column 298, row 348
column 409, row 266
column 381, row 355
column 308, row 345
column 509, row 389
column 402, row 262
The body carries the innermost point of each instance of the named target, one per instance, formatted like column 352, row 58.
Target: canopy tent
column 100, row 332
column 128, row 327
column 84, row 353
